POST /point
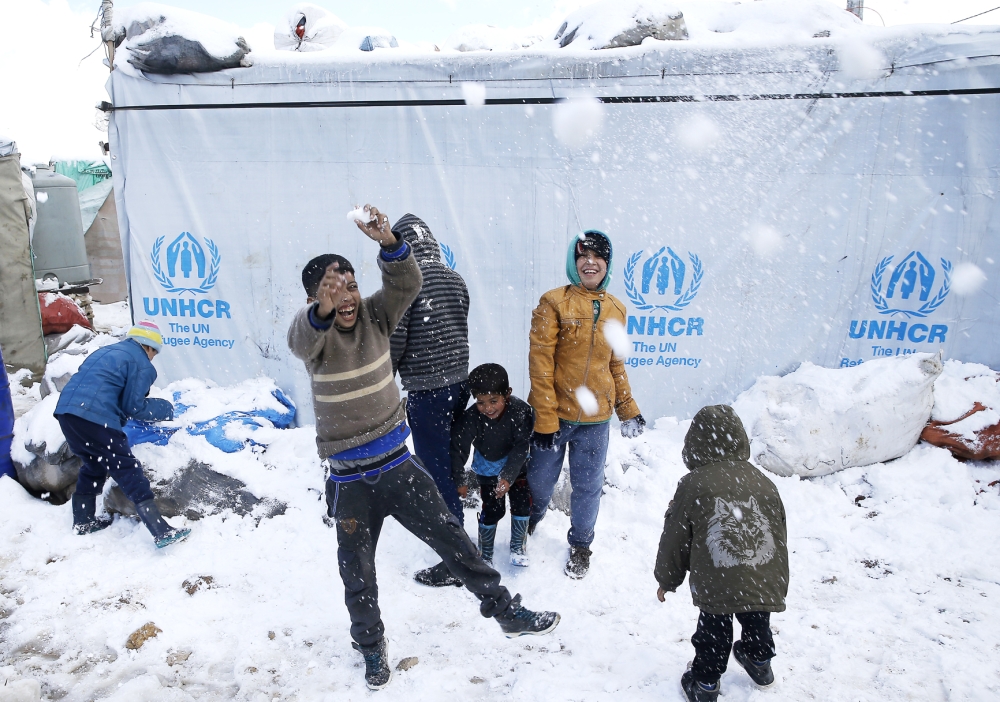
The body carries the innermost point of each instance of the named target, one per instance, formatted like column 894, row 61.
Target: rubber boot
column 163, row 533
column 519, row 541
column 487, row 537
column 85, row 520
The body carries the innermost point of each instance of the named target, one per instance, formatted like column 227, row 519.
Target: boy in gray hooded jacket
column 726, row 525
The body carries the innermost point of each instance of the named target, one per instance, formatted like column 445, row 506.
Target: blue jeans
column 588, row 449
column 430, row 413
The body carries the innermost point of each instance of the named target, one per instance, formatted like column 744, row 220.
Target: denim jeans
column 430, row 414
column 588, row 449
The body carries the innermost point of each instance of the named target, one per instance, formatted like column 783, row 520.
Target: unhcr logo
column 186, row 267
column 911, row 282
column 914, row 289
column 185, row 257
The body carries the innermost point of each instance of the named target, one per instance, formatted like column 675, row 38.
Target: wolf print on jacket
column 738, row 534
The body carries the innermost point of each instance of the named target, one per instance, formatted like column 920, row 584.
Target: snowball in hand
column 587, row 400
column 474, row 94
column 577, row 120
column 360, row 215
column 967, row 279
column 615, row 334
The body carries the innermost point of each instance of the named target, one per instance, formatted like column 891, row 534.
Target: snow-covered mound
column 308, row 27
column 613, row 23
column 162, row 39
column 891, row 594
column 817, row 420
column 966, row 414
column 483, row 37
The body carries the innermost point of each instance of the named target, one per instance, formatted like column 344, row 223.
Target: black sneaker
column 518, row 621
column 437, row 576
column 377, row 670
column 695, row 691
column 759, row 672
column 578, row 563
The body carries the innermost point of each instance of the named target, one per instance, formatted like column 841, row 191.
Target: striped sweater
column 354, row 395
column 430, row 347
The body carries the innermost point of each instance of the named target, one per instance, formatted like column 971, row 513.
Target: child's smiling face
column 491, row 405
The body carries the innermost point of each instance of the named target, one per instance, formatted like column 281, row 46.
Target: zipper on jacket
column 590, row 353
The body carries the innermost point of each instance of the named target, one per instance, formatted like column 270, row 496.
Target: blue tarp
column 214, row 430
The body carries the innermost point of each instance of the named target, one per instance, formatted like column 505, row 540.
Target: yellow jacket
column 568, row 350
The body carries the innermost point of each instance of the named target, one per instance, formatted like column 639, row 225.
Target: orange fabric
column 566, row 353
column 986, row 444
column 60, row 313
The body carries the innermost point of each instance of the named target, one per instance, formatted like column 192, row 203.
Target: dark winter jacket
column 726, row 523
column 111, row 387
column 354, row 394
column 507, row 436
column 430, row 347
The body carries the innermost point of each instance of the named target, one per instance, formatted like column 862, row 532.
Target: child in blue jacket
column 109, row 389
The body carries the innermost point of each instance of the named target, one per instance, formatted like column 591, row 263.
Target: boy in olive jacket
column 726, row 524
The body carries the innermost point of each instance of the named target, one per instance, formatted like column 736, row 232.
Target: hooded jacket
column 430, row 347
column 111, row 387
column 726, row 523
column 568, row 350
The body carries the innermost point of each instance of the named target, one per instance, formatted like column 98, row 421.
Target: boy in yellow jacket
column 576, row 383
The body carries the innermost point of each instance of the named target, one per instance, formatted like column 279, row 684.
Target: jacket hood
column 418, row 235
column 716, row 434
column 571, row 271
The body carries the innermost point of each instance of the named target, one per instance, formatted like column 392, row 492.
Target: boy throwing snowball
column 361, row 433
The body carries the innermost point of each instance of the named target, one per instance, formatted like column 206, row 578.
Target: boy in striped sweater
column 360, row 434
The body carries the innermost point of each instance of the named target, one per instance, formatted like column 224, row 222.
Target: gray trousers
column 409, row 494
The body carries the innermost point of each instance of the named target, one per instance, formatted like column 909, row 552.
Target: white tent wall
column 782, row 211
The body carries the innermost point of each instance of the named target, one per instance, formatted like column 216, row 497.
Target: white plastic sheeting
column 816, row 421
column 768, row 205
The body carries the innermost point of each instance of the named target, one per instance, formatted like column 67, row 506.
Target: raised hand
column 378, row 228
column 331, row 291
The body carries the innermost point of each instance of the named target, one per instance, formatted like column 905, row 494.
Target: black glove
column 631, row 428
column 543, row 442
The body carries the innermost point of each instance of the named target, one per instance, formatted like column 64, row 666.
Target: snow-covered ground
column 895, row 585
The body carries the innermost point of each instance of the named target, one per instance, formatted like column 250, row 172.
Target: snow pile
column 485, row 37
column 887, row 555
column 308, row 28
column 613, row 23
column 817, row 420
column 965, row 418
column 959, row 388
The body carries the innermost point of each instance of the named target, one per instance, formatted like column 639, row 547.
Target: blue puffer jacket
column 111, row 387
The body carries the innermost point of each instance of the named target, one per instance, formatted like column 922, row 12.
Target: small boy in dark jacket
column 499, row 426
column 109, row 389
column 726, row 524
